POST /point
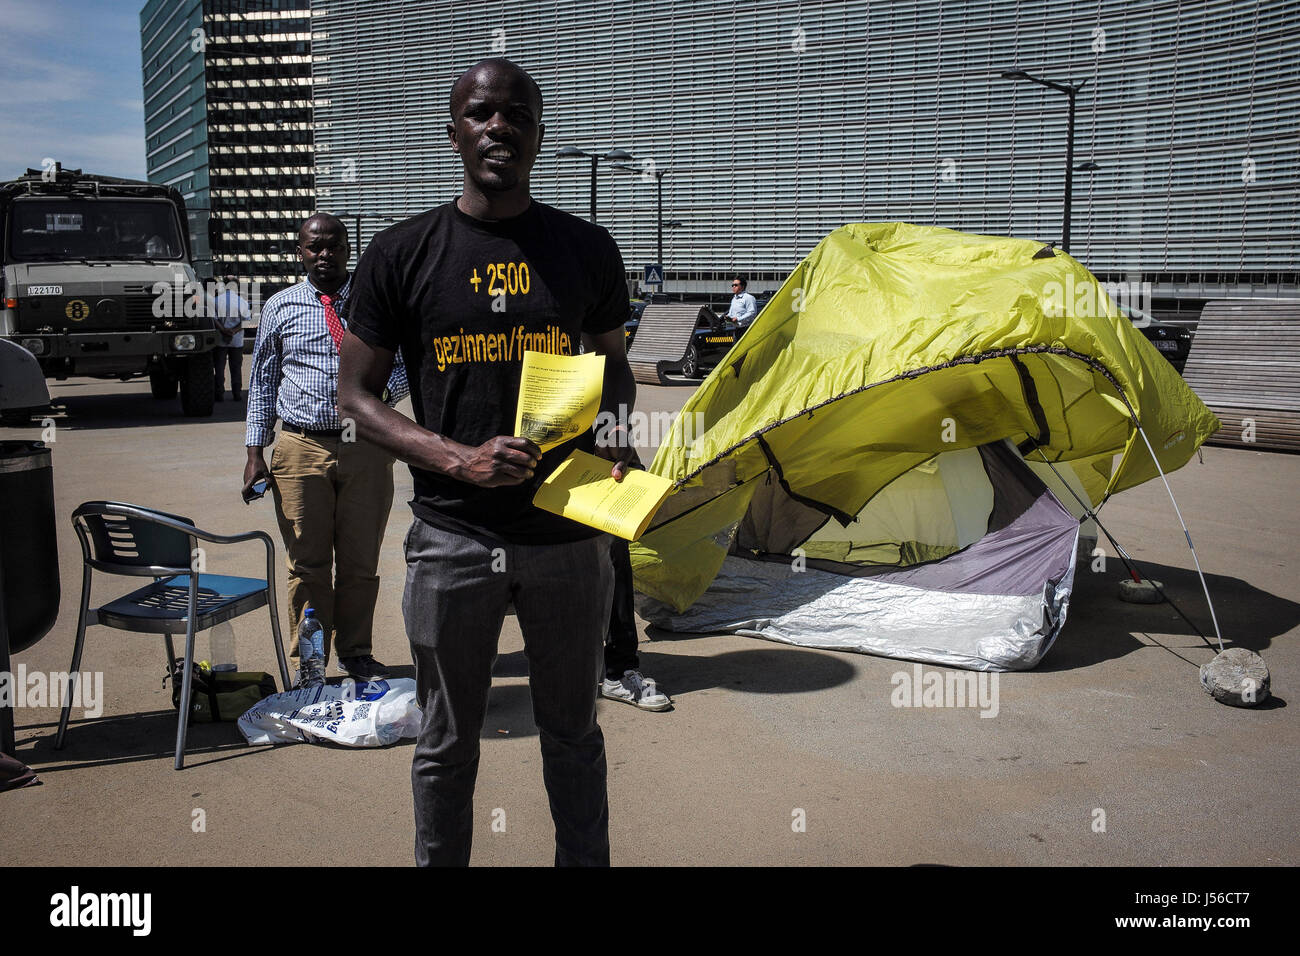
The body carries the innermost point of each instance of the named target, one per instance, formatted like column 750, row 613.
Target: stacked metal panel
column 778, row 121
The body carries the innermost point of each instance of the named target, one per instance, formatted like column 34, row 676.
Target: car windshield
column 93, row 229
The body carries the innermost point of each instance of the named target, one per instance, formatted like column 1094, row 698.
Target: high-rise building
column 772, row 122
column 228, row 121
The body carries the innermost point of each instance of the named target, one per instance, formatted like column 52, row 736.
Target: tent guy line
column 1134, row 571
column 1186, row 534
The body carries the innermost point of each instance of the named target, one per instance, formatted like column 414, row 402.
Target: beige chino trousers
column 332, row 499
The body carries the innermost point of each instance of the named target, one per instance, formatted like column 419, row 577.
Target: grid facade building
column 772, row 123
column 175, row 117
column 228, row 121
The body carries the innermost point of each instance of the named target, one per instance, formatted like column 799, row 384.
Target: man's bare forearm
column 401, row 437
column 619, row 391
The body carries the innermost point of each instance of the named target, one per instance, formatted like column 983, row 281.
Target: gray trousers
column 457, row 592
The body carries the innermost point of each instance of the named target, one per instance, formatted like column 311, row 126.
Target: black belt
column 312, row 432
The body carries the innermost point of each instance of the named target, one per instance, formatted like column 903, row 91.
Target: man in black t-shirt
column 464, row 290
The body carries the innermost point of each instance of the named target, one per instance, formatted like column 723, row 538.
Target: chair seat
column 161, row 607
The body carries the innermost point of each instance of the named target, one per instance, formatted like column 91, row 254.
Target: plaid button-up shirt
column 295, row 373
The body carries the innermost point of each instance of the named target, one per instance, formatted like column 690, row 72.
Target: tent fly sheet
column 873, row 469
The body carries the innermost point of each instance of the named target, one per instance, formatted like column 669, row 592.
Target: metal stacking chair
column 126, row 539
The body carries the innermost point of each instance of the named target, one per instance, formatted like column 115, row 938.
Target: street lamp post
column 614, row 155
column 1069, row 91
column 658, row 174
column 659, row 215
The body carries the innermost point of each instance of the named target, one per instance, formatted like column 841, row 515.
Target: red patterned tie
column 332, row 320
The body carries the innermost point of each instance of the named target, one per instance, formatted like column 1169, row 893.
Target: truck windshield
column 93, row 229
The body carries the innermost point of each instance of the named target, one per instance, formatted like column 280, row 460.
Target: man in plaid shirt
column 332, row 489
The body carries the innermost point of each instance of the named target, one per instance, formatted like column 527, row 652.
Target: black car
column 710, row 343
column 636, row 308
column 1173, row 341
column 715, row 336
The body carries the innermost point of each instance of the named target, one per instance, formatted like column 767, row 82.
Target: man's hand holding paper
column 559, row 398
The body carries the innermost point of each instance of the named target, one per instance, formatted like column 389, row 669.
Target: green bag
column 220, row 695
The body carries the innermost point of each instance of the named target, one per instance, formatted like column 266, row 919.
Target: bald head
column 498, row 68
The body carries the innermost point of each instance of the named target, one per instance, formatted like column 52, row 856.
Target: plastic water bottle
column 221, row 647
column 311, row 636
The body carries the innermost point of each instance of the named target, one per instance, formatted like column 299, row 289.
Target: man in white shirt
column 228, row 310
column 743, row 307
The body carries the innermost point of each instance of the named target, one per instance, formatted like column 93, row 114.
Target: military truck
column 98, row 282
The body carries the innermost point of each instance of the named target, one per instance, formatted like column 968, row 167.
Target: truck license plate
column 45, row 290
column 1165, row 345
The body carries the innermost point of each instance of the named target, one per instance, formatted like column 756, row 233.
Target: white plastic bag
column 373, row 714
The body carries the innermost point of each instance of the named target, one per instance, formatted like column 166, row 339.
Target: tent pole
column 1124, row 556
column 1137, row 423
column 1133, row 572
column 1186, row 534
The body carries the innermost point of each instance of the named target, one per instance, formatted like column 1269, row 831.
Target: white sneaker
column 634, row 689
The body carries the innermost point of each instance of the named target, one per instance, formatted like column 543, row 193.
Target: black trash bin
column 29, row 557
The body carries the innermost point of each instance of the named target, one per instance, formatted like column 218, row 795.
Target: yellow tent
column 868, row 385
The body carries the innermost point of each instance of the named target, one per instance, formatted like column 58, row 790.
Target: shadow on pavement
column 80, row 406
column 395, row 671
column 786, row 670
column 509, row 713
column 763, row 670
column 514, row 664
column 679, row 381
column 1101, row 627
column 130, row 738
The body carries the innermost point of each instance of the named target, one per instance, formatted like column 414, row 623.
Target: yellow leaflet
column 559, row 396
column 582, row 489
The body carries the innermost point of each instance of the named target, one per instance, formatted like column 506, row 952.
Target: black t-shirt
column 464, row 299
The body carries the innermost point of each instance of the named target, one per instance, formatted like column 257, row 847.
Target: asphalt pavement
column 1108, row 753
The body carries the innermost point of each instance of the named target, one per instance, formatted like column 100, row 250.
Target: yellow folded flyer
column 559, row 397
column 582, row 489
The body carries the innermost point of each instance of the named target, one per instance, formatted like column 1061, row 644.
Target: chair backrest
column 122, row 538
column 663, row 335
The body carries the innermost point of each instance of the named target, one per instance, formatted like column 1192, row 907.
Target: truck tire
column 162, row 385
column 196, row 386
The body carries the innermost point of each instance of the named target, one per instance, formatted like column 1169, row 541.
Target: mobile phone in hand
column 257, row 490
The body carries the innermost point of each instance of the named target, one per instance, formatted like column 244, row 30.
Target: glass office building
column 227, row 87
column 774, row 122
